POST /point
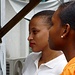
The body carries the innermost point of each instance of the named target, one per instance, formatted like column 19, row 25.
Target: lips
column 32, row 44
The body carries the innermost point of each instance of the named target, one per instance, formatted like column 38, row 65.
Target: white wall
column 2, row 45
column 16, row 41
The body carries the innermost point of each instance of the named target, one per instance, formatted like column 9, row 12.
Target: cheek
column 42, row 40
column 52, row 38
column 50, row 41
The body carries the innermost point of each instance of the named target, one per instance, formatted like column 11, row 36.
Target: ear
column 65, row 31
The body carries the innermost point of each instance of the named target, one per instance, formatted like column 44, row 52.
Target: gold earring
column 61, row 36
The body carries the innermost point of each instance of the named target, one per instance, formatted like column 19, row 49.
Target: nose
column 30, row 37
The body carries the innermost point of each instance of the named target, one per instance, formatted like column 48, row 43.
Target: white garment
column 53, row 67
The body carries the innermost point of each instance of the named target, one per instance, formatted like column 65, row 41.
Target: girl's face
column 38, row 34
column 55, row 32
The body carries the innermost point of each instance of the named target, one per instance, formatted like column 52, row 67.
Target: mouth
column 32, row 44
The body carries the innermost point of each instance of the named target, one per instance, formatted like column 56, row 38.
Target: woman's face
column 55, row 32
column 38, row 34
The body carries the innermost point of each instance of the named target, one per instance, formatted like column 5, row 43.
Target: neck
column 69, row 54
column 69, row 46
column 48, row 55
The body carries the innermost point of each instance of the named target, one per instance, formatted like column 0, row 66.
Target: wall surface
column 16, row 39
column 2, row 45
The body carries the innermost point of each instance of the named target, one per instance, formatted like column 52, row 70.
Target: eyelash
column 34, row 32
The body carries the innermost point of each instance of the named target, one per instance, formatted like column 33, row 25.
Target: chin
column 35, row 50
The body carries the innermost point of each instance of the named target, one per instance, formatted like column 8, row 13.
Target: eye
column 35, row 31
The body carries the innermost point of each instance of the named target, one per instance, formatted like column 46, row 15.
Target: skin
column 55, row 32
column 65, row 43
column 38, row 39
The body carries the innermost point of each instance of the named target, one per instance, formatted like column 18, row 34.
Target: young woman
column 43, row 60
column 62, row 34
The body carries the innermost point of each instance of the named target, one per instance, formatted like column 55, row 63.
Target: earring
column 61, row 36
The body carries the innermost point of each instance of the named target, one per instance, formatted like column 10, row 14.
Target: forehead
column 56, row 16
column 56, row 13
column 37, row 22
